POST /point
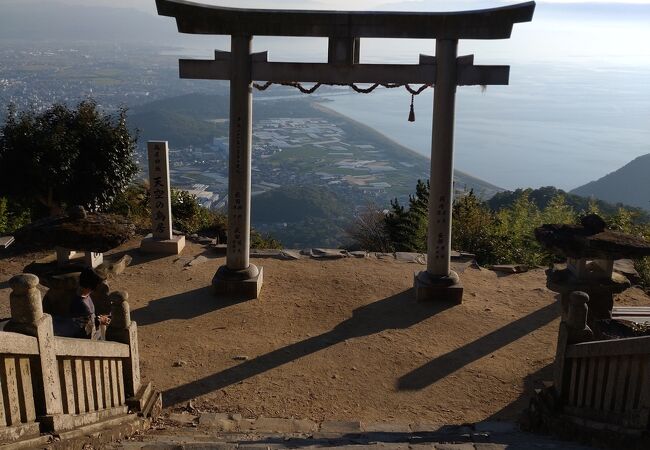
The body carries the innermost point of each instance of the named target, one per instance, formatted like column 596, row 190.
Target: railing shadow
column 399, row 311
column 454, row 360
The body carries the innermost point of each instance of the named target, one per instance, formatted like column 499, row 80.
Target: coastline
column 324, row 109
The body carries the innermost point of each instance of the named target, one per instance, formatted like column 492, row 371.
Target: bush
column 632, row 222
column 134, row 204
column 12, row 216
column 190, row 217
column 368, row 231
column 474, row 229
column 259, row 240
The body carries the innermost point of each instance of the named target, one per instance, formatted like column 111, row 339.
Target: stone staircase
column 226, row 432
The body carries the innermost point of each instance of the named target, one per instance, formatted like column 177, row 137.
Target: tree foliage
column 62, row 156
column 407, row 228
column 368, row 230
column 12, row 216
column 503, row 236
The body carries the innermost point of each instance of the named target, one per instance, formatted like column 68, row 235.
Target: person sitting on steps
column 84, row 323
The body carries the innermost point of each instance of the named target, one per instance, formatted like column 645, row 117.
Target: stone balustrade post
column 27, row 318
column 25, row 303
column 123, row 329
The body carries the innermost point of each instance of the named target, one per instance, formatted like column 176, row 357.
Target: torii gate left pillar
column 343, row 29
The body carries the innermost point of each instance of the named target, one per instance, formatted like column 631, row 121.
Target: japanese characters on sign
column 161, row 213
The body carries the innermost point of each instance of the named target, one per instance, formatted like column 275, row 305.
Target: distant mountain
column 630, row 185
column 542, row 196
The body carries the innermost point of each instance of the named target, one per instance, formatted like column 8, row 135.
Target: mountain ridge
column 629, row 184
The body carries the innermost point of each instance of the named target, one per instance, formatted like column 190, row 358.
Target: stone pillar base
column 444, row 289
column 172, row 246
column 239, row 285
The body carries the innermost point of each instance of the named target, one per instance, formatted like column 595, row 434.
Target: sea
column 554, row 125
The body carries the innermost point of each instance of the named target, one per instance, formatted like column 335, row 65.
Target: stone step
column 227, row 431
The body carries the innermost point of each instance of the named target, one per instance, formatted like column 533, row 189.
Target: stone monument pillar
column 439, row 282
column 161, row 240
column 239, row 278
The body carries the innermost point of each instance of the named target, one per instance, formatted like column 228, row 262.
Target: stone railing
column 601, row 381
column 53, row 384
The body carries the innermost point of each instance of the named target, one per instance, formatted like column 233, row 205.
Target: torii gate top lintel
column 493, row 23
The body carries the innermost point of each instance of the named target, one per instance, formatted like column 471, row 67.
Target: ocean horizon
column 555, row 124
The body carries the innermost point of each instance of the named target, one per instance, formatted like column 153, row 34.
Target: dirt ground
column 335, row 340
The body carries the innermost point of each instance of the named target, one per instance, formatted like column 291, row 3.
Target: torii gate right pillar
column 439, row 282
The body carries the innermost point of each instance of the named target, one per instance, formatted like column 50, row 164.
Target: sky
column 433, row 5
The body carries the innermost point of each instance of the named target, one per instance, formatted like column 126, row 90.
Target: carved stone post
column 438, row 282
column 27, row 318
column 239, row 278
column 162, row 240
column 122, row 329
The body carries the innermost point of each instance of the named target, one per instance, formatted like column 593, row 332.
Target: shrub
column 368, row 230
column 259, row 240
column 12, row 216
column 134, row 204
column 190, row 217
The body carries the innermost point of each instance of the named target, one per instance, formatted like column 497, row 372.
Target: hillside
column 291, row 204
column 303, row 216
column 179, row 129
column 630, row 185
column 542, row 196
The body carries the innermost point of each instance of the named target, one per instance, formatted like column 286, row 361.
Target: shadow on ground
column 514, row 410
column 399, row 311
column 184, row 306
column 137, row 257
column 448, row 363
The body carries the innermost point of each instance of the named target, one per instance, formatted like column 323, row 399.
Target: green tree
column 407, row 229
column 63, row 157
column 474, row 229
column 558, row 211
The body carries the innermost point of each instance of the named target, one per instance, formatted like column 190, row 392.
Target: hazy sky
column 149, row 5
column 584, row 33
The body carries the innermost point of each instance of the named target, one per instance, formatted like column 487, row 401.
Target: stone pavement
column 229, row 432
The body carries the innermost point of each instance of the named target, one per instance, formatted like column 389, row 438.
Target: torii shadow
column 399, row 311
column 448, row 363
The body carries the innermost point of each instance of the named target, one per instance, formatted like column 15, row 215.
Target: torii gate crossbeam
column 343, row 29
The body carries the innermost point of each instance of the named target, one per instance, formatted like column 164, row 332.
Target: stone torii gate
column 344, row 30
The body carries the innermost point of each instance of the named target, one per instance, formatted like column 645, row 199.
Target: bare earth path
column 337, row 340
